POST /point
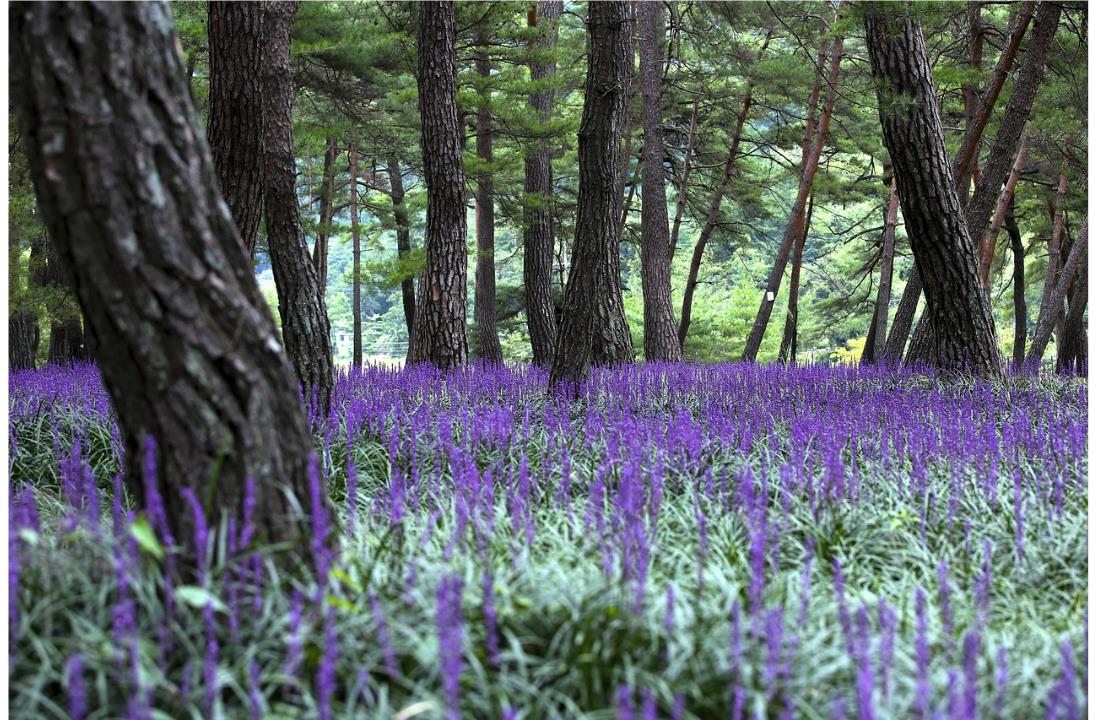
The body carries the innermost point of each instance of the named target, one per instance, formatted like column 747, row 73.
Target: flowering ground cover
column 677, row 541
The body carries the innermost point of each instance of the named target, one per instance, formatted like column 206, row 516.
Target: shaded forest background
column 354, row 76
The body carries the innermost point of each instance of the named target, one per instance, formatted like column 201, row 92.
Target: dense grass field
column 729, row 541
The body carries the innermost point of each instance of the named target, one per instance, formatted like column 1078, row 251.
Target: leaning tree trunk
column 305, row 326
column 794, row 227
column 1019, row 301
column 236, row 110
column 964, row 167
column 874, row 348
column 943, row 251
column 1072, row 352
column 184, row 340
column 487, row 331
column 989, row 240
column 403, row 246
column 1005, row 147
column 356, row 239
column 593, row 327
column 1053, row 303
column 659, row 328
column 327, row 212
column 712, row 220
column 538, row 239
column 440, row 333
column 789, row 343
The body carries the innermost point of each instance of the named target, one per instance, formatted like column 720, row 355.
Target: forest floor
column 680, row 541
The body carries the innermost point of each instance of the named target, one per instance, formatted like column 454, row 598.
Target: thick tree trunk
column 1019, row 301
column 989, row 239
column 943, row 251
column 1052, row 305
column 965, row 163
column 66, row 341
column 875, row 347
column 23, row 337
column 184, row 340
column 1072, row 342
column 486, row 321
column 305, row 326
column 403, row 246
column 236, row 110
column 683, row 186
column 327, row 212
column 789, row 343
column 593, row 327
column 713, row 212
column 659, row 328
column 794, row 227
column 356, row 239
column 440, row 332
column 538, row 238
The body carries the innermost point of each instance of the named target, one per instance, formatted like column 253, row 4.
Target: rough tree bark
column 538, row 239
column 1005, row 147
column 1072, row 351
column 23, row 338
column 1019, row 301
column 327, row 212
column 1053, row 302
column 593, row 327
column 964, row 166
column 184, row 340
column 356, row 239
column 969, row 90
column 713, row 211
column 659, row 328
column 486, row 321
column 874, row 348
column 943, row 251
column 403, row 245
column 794, row 227
column 305, row 326
column 1054, row 254
column 440, row 333
column 235, row 131
column 789, row 343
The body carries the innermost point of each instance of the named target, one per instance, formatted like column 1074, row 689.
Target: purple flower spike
column 77, row 692
column 450, row 644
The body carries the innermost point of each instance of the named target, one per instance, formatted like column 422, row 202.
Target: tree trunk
column 356, row 239
column 1054, row 270
column 794, row 227
column 966, row 163
column 1019, row 302
column 539, row 240
column 713, row 211
column 440, row 333
column 875, row 347
column 327, row 212
column 659, row 328
column 184, row 340
column 403, row 246
column 789, row 343
column 305, row 326
column 66, row 341
column 945, row 256
column 1052, row 305
column 683, row 187
column 1072, row 351
column 969, row 90
column 236, row 110
column 593, row 327
column 23, row 337
column 989, row 239
column 486, row 322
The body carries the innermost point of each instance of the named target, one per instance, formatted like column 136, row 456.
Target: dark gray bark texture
column 659, row 327
column 874, row 348
column 356, row 239
column 1052, row 306
column 593, row 329
column 403, row 244
column 440, row 332
column 1019, row 301
column 487, row 332
column 327, row 212
column 235, row 130
column 23, row 338
column 305, row 326
column 184, row 340
column 539, row 240
column 943, row 251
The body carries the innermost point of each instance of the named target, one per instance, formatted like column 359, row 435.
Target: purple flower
column 74, row 683
column 922, row 699
column 450, row 650
column 254, row 691
column 623, row 703
column 325, row 677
